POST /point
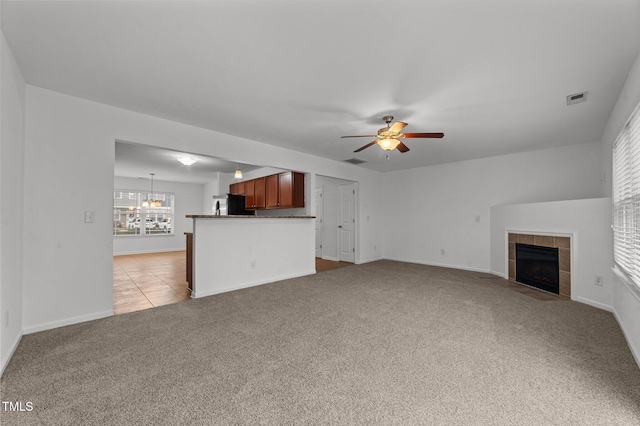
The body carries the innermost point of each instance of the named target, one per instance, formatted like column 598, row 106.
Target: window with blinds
column 626, row 199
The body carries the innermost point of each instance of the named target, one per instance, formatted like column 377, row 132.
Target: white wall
column 431, row 209
column 209, row 190
column 12, row 116
column 588, row 222
column 69, row 162
column 188, row 200
column 626, row 304
column 233, row 253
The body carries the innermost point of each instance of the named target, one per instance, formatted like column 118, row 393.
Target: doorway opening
column 336, row 228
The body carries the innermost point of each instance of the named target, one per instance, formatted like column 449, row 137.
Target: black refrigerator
column 235, row 206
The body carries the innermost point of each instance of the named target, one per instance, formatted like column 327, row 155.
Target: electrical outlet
column 442, row 252
column 375, row 248
column 599, row 280
column 253, row 264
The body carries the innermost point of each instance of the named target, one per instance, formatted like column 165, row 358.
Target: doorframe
column 356, row 222
column 320, row 215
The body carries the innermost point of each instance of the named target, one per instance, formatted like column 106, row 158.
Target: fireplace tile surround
column 564, row 255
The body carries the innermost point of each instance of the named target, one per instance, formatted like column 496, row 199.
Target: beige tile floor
column 144, row 281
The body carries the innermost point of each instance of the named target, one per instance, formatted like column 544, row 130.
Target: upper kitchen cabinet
column 249, row 192
column 285, row 190
column 271, row 184
column 237, row 188
column 291, row 189
column 279, row 191
column 254, row 191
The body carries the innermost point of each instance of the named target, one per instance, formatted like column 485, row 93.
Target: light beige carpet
column 382, row 343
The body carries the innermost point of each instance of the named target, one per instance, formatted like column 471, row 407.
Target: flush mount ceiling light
column 186, row 160
column 238, row 174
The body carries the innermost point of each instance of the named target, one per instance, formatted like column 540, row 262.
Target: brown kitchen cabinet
column 259, row 193
column 285, row 190
column 237, row 188
column 291, row 186
column 271, row 191
column 279, row 191
column 254, row 192
column 249, row 192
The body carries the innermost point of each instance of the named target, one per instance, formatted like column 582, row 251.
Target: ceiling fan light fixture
column 388, row 144
column 186, row 160
column 388, row 138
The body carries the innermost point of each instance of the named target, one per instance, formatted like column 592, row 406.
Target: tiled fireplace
column 563, row 244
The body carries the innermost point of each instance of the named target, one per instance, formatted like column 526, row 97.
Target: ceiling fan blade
column 397, row 126
column 366, row 146
column 402, row 147
column 359, row 136
column 423, row 135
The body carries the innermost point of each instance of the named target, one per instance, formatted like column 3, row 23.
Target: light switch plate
column 89, row 216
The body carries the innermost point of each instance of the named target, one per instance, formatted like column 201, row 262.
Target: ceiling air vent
column 354, row 161
column 577, row 98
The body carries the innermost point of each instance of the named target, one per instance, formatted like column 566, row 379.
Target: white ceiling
column 138, row 161
column 492, row 75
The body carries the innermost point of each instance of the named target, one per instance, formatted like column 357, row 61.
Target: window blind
column 626, row 198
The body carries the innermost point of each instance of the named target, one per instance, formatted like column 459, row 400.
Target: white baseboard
column 372, row 259
column 67, row 321
column 593, row 303
column 197, row 295
column 441, row 265
column 586, row 301
column 14, row 346
column 335, row 259
column 635, row 351
column 124, row 253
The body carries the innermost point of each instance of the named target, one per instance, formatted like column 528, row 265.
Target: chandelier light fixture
column 150, row 201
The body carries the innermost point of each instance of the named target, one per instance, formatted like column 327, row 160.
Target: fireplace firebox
column 538, row 266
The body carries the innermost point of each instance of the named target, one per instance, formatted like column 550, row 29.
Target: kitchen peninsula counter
column 235, row 252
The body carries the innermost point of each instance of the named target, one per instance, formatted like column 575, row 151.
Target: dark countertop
column 213, row 216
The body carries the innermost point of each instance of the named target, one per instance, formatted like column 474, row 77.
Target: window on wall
column 626, row 201
column 137, row 213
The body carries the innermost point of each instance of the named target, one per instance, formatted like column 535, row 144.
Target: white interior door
column 319, row 213
column 347, row 223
